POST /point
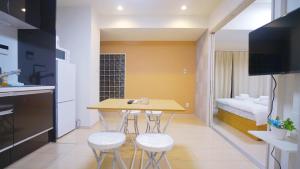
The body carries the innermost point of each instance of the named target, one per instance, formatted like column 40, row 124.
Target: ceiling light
column 120, row 8
column 183, row 7
column 23, row 9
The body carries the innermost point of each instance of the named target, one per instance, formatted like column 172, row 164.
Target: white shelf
column 284, row 145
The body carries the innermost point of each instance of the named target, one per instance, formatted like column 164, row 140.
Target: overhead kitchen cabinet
column 4, row 5
column 26, row 11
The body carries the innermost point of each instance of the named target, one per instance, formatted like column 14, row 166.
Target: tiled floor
column 197, row 147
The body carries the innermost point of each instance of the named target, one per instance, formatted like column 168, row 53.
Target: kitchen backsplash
column 9, row 60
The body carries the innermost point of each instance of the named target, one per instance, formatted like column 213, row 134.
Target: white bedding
column 248, row 108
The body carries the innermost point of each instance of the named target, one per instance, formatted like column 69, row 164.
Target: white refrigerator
column 65, row 97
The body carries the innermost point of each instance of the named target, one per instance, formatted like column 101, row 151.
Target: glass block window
column 112, row 76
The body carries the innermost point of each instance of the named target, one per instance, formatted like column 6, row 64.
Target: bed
column 244, row 114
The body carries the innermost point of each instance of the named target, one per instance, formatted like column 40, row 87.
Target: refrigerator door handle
column 65, row 101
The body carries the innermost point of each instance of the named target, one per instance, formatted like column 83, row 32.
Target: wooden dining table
column 154, row 104
column 122, row 104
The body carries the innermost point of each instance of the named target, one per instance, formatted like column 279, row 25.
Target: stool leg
column 149, row 162
column 114, row 162
column 168, row 163
column 119, row 159
column 136, row 128
column 142, row 160
column 126, row 126
column 148, row 125
column 152, row 161
column 155, row 163
column 158, row 124
column 133, row 158
column 99, row 158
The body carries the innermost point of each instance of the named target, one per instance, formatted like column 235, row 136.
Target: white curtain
column 243, row 83
column 231, row 76
column 223, row 74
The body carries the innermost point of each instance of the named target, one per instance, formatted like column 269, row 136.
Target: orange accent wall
column 156, row 69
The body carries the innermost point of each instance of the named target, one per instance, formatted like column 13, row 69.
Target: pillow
column 244, row 95
column 264, row 102
column 239, row 98
column 264, row 97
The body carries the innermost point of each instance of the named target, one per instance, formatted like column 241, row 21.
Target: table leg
column 102, row 120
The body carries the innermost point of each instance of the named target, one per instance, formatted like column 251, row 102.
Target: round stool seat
column 132, row 112
column 152, row 142
column 106, row 140
column 153, row 113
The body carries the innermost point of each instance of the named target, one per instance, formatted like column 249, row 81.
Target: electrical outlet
column 187, row 105
column 78, row 123
column 185, row 71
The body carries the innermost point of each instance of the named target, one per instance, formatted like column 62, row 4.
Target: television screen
column 275, row 47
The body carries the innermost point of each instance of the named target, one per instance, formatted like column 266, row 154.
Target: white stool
column 153, row 116
column 106, row 142
column 154, row 144
column 135, row 114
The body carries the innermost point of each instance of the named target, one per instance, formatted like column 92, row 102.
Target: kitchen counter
column 25, row 88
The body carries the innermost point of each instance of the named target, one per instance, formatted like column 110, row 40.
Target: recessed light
column 23, row 9
column 120, row 8
column 183, row 7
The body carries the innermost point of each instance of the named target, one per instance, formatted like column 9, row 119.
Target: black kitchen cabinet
column 26, row 123
column 29, row 146
column 4, row 5
column 17, row 8
column 6, row 123
column 6, row 130
column 37, row 48
column 5, row 159
column 33, row 114
column 26, row 10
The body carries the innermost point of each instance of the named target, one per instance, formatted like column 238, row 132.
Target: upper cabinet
column 4, row 5
column 17, row 8
column 27, row 11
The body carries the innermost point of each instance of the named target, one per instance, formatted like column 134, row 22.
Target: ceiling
column 151, row 34
column 253, row 17
column 148, row 7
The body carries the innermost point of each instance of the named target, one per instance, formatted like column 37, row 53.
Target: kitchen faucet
column 4, row 75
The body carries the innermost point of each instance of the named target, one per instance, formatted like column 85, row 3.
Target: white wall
column 9, row 37
column 151, row 34
column 94, row 76
column 204, row 52
column 202, row 77
column 77, row 29
column 288, row 95
column 232, row 40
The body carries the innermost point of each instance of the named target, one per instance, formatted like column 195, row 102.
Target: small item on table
column 130, row 101
column 279, row 128
column 144, row 100
column 4, row 82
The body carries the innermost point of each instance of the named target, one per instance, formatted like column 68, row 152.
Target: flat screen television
column 275, row 47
